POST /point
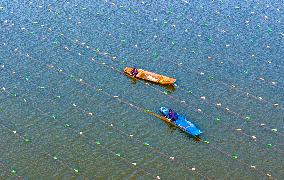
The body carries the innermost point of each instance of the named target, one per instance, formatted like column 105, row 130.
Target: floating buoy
column 274, row 130
column 234, row 156
column 146, row 144
column 247, row 118
column 210, row 78
column 218, row 119
column 269, row 145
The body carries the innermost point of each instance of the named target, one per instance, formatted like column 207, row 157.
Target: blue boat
column 182, row 123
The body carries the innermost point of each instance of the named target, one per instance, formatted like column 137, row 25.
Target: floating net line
column 218, row 104
column 94, row 143
column 232, row 86
column 220, row 81
column 162, row 154
column 26, row 140
column 8, row 171
column 149, row 112
column 170, row 13
column 130, row 136
column 183, row 103
column 247, row 118
column 34, row 146
column 112, row 4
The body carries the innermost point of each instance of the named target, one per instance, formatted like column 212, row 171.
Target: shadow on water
column 169, row 87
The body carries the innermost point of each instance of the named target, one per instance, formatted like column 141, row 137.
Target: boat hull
column 182, row 123
column 149, row 76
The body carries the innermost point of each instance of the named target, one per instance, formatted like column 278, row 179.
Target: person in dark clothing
column 134, row 72
column 172, row 115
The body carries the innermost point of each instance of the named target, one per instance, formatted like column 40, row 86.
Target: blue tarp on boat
column 183, row 123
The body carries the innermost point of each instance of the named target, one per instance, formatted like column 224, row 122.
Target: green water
column 65, row 115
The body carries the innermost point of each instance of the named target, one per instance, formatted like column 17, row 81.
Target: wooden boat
column 146, row 75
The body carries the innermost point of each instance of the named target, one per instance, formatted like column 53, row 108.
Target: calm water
column 68, row 113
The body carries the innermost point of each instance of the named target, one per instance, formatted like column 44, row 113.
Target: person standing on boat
column 172, row 115
column 134, row 72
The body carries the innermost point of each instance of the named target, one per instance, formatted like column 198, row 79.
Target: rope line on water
column 114, row 58
column 95, row 143
column 218, row 105
column 147, row 111
column 62, row 162
column 113, row 4
column 251, row 136
column 9, row 172
column 130, row 136
column 201, row 25
column 227, row 109
column 235, row 129
column 249, row 94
